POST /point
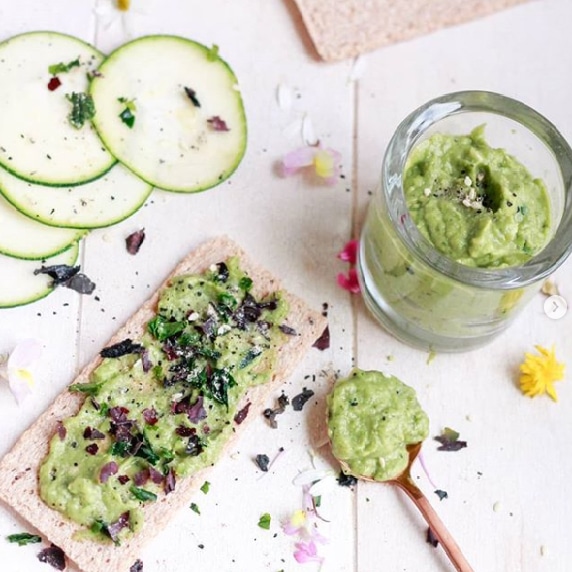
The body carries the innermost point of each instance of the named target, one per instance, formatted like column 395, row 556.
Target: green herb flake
column 83, row 109
column 212, row 53
column 56, row 69
column 23, row 538
column 142, row 494
column 128, row 115
column 87, row 388
column 205, row 488
column 195, row 508
column 264, row 521
column 162, row 329
column 245, row 284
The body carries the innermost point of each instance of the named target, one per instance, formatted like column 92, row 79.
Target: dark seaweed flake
column 170, row 481
column 301, row 399
column 150, row 415
column 323, row 342
column 431, row 538
column 449, row 440
column 194, row 446
column 146, row 363
column 192, row 95
column 59, row 273
column 271, row 414
column 134, row 241
column 54, row 556
column 116, row 527
column 262, row 461
column 217, row 124
column 222, row 272
column 81, row 284
column 92, row 434
column 137, row 566
column 345, row 480
column 107, row 470
column 441, row 494
column 241, row 415
column 120, row 349
column 287, row 330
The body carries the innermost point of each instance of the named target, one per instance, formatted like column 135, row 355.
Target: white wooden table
column 509, row 501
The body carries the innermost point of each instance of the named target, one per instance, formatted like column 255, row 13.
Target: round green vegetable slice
column 170, row 110
column 103, row 202
column 21, row 237
column 19, row 285
column 43, row 102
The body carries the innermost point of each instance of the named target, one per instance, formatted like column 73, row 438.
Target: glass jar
column 425, row 298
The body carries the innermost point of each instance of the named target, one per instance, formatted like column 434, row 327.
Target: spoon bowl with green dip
column 376, row 428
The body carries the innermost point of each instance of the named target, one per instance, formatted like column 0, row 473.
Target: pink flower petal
column 295, row 160
column 307, row 552
column 349, row 253
column 349, row 281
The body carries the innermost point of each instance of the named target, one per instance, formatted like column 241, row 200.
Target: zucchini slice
column 19, row 285
column 103, row 202
column 21, row 237
column 37, row 141
column 170, row 110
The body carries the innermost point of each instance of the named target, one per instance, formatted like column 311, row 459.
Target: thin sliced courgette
column 21, row 237
column 103, row 202
column 18, row 283
column 37, row 139
column 170, row 110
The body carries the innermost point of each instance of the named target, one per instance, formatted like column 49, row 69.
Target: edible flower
column 15, row 368
column 539, row 372
column 324, row 163
column 349, row 281
column 303, row 522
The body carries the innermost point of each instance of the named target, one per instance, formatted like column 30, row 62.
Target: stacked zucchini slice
column 85, row 138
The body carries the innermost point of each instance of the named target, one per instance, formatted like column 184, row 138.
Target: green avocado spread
column 477, row 205
column 159, row 409
column 372, row 417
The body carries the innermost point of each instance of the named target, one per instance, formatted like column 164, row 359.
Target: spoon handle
column 435, row 523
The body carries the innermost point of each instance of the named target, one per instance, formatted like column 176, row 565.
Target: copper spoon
column 405, row 483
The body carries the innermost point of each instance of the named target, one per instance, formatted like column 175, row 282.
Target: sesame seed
column 468, row 181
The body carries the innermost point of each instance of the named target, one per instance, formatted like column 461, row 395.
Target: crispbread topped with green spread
column 207, row 392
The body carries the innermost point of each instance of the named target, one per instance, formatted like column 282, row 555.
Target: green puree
column 165, row 412
column 475, row 204
column 372, row 417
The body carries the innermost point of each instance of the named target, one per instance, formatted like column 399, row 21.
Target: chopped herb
column 195, row 508
column 23, row 538
column 83, row 109
column 91, row 388
column 55, row 69
column 191, row 94
column 441, row 494
column 128, row 117
column 212, row 53
column 449, row 440
column 264, row 521
column 120, row 448
column 262, row 461
column 146, row 452
column 161, row 328
column 205, row 488
column 301, row 399
column 142, row 494
column 245, row 283
column 54, row 556
column 249, row 357
column 134, row 241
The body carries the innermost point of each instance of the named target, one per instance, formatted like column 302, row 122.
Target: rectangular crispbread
column 348, row 28
column 19, row 468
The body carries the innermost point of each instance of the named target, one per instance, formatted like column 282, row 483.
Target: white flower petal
column 21, row 382
column 25, row 354
column 310, row 476
column 308, row 132
column 284, row 97
column 323, row 486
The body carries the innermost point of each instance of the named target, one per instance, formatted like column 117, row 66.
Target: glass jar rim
column 408, row 133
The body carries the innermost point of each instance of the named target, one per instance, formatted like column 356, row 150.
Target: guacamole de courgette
column 476, row 204
column 372, row 417
column 160, row 408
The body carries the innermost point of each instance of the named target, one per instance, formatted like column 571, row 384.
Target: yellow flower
column 539, row 372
